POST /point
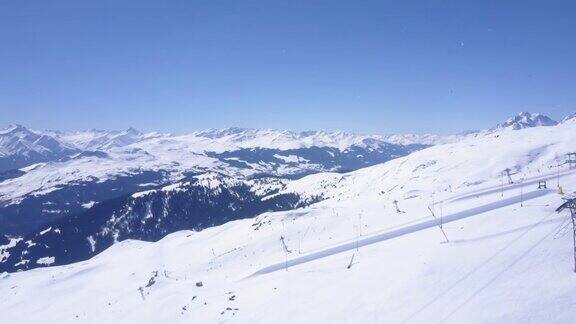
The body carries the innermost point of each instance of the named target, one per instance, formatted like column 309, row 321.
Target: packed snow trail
column 402, row 231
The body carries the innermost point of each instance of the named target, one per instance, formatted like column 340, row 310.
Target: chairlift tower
column 570, row 203
column 286, row 251
column 558, row 165
column 440, row 225
column 521, row 192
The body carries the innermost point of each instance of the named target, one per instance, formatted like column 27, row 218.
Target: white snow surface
column 89, row 204
column 46, row 260
column 503, row 261
column 11, row 243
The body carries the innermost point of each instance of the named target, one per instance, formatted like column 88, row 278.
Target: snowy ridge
column 220, row 140
column 99, row 139
column 570, row 118
column 18, row 140
column 20, row 147
column 237, row 138
column 15, row 138
column 523, row 151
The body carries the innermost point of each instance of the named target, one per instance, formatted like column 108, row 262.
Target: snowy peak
column 123, row 138
column 133, row 131
column 20, row 147
column 569, row 119
column 527, row 120
column 18, row 140
column 13, row 129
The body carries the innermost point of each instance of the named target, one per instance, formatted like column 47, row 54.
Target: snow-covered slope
column 426, row 139
column 201, row 201
column 371, row 251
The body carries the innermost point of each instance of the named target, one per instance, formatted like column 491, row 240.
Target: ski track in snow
column 402, row 231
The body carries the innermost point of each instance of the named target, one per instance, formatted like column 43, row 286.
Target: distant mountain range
column 21, row 147
column 64, row 173
column 90, row 189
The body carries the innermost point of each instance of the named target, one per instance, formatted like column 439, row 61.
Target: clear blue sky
column 366, row 66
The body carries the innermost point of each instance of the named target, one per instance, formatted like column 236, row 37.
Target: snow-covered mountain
column 527, row 120
column 570, row 118
column 20, row 147
column 106, row 165
column 437, row 235
column 43, row 146
column 54, row 145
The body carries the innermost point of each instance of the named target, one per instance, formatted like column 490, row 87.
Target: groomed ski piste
column 502, row 254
